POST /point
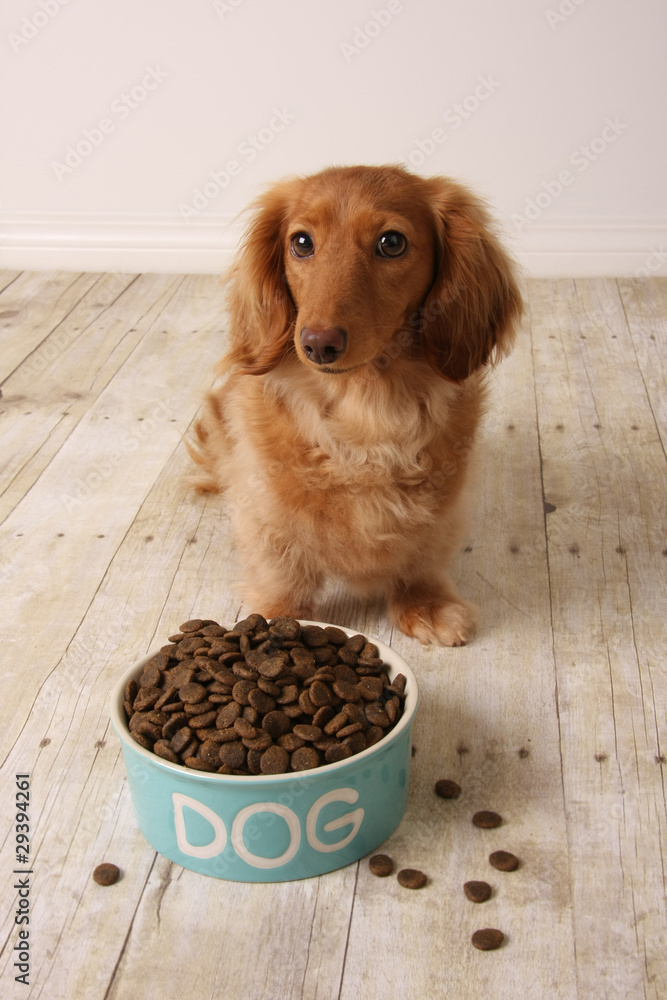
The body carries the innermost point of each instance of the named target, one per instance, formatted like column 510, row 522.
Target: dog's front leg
column 276, row 579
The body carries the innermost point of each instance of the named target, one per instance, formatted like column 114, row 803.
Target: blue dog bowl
column 272, row 828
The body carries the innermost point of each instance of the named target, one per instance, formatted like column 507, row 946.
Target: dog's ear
column 469, row 315
column 260, row 308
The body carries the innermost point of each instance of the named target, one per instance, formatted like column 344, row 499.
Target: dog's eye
column 302, row 245
column 391, row 244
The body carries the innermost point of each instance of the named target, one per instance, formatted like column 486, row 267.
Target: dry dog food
column 486, row 819
column 488, row 939
column 106, row 874
column 477, row 892
column 447, row 789
column 412, row 878
column 504, row 861
column 381, row 865
column 262, row 697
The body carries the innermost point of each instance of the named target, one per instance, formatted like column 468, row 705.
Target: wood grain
column 33, row 308
column 604, row 471
column 554, row 716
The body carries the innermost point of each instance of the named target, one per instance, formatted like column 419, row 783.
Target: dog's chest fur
column 376, row 459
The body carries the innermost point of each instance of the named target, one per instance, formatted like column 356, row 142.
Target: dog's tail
column 205, row 481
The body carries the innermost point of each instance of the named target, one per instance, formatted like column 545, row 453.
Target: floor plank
column 645, row 306
column 604, row 472
column 488, row 720
column 32, row 308
column 45, row 397
column 276, row 940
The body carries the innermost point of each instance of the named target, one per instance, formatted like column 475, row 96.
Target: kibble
column 488, row 939
column 477, row 892
column 337, row 751
column 504, row 861
column 412, row 878
column 487, row 820
column 106, row 874
column 447, row 789
column 381, row 865
column 274, row 760
column 262, row 697
column 304, row 759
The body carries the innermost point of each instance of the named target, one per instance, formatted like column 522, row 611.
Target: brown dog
column 364, row 305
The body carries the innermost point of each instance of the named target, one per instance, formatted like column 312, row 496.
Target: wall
column 135, row 131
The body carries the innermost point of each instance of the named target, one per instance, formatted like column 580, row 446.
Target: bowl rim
column 120, row 725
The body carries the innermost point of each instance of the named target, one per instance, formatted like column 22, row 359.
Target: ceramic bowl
column 272, row 828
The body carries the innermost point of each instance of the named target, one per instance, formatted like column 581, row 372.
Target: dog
column 366, row 305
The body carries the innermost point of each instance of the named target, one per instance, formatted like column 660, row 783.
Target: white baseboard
column 591, row 247
column 133, row 243
column 136, row 243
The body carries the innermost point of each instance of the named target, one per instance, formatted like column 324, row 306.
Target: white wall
column 554, row 110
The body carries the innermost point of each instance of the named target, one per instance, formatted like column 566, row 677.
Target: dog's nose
column 323, row 347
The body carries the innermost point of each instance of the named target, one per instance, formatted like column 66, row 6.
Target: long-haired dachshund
column 364, row 306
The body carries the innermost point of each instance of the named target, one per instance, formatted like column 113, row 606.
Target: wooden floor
column 555, row 716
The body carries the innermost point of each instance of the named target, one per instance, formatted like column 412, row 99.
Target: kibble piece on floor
column 477, row 892
column 447, row 789
column 486, row 819
column 488, row 939
column 381, row 865
column 106, row 874
column 412, row 878
column 504, row 861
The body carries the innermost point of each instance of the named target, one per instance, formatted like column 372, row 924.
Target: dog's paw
column 446, row 623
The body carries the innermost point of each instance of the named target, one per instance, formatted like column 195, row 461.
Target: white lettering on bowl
column 219, row 841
